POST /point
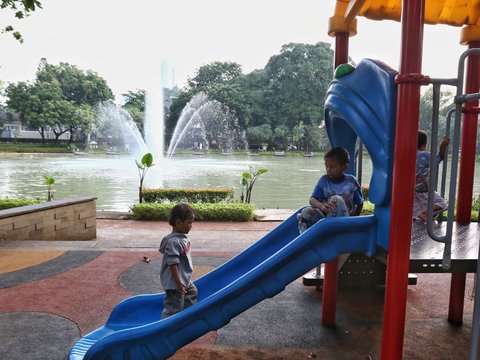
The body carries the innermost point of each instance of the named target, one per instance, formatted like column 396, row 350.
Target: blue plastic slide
column 360, row 104
column 135, row 331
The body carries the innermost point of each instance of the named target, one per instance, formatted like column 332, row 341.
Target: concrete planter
column 67, row 219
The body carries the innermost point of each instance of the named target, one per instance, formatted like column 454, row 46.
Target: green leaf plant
column 49, row 181
column 142, row 167
column 248, row 180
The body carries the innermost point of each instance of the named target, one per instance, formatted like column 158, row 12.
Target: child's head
column 337, row 161
column 181, row 218
column 422, row 139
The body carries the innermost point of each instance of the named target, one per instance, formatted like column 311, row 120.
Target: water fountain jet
column 115, row 123
column 204, row 123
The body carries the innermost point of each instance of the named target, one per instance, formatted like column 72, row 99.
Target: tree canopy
column 289, row 91
column 62, row 98
column 215, row 73
column 21, row 9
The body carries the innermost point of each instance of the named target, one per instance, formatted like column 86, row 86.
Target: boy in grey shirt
column 176, row 269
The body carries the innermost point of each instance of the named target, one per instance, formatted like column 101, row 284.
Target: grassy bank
column 34, row 148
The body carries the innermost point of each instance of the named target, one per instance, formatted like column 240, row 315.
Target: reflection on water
column 114, row 179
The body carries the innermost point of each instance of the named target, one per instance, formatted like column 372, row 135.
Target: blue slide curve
column 134, row 329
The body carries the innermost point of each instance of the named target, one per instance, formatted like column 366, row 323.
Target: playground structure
column 381, row 108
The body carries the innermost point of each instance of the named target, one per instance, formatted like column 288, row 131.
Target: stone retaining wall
column 68, row 219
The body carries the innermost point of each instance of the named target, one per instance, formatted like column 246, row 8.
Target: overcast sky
column 125, row 42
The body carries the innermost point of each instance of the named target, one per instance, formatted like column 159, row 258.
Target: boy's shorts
column 175, row 301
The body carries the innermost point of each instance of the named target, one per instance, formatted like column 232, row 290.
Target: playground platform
column 54, row 292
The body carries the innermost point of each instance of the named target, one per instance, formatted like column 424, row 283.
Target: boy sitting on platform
column 336, row 193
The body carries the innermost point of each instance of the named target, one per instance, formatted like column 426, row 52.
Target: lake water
column 114, row 179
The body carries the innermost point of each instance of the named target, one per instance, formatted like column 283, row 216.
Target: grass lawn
column 34, row 148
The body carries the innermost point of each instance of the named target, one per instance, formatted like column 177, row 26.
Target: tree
column 215, row 73
column 259, row 135
column 298, row 80
column 17, row 97
column 175, row 110
column 298, row 133
column 233, row 96
column 426, row 107
column 82, row 119
column 61, row 98
column 39, row 105
column 314, row 138
column 134, row 99
column 134, row 103
column 78, row 86
column 281, row 137
column 22, row 9
column 289, row 91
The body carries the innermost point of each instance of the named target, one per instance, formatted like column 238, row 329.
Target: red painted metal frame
column 403, row 181
column 466, row 174
column 457, row 298
column 329, row 295
column 469, row 140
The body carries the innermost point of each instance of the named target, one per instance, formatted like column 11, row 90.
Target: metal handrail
column 460, row 98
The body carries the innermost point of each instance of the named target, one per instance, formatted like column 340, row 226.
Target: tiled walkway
column 52, row 293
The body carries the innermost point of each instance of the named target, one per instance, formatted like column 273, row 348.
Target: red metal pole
column 469, row 140
column 403, row 180
column 466, row 175
column 457, row 298
column 329, row 295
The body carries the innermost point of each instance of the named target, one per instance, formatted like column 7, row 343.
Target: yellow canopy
column 449, row 12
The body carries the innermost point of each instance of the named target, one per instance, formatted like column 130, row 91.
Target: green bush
column 368, row 208
column 203, row 212
column 12, row 203
column 200, row 195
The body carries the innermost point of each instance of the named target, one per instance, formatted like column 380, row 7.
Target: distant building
column 12, row 128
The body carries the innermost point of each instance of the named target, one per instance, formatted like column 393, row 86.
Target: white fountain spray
column 203, row 121
column 154, row 122
column 116, row 123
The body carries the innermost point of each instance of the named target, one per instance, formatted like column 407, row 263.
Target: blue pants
column 311, row 215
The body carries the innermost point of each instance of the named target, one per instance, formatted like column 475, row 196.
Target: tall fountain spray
column 154, row 123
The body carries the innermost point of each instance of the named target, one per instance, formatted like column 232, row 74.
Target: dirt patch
column 224, row 353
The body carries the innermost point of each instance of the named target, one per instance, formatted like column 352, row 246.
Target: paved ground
column 52, row 293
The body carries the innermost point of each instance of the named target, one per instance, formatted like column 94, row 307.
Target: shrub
column 203, row 212
column 12, row 203
column 368, row 208
column 200, row 195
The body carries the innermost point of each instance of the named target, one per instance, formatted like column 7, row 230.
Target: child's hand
column 328, row 207
column 181, row 288
column 445, row 141
column 443, row 147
